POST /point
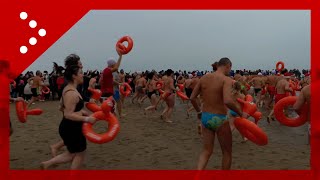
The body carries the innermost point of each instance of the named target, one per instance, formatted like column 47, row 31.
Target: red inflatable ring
column 257, row 117
column 181, row 87
column 280, row 68
column 159, row 84
column 121, row 48
column 127, row 91
column 251, row 131
column 113, row 128
column 45, row 90
column 93, row 107
column 182, row 95
column 291, row 122
column 96, row 93
column 108, row 105
column 22, row 112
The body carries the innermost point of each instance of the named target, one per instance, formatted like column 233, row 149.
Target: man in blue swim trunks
column 216, row 89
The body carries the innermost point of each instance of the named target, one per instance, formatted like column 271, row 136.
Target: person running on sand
column 168, row 96
column 217, row 98
column 282, row 88
column 152, row 89
column 37, row 82
column 70, row 128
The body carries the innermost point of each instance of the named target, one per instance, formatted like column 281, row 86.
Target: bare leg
column 170, row 103
column 56, row 147
column 134, row 97
column 78, row 161
column 62, row 158
column 225, row 139
column 208, row 143
column 33, row 99
column 119, row 108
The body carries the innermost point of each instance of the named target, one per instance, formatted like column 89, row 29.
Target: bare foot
column 53, row 151
column 43, row 166
column 168, row 121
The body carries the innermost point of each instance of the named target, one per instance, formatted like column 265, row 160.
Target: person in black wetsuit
column 70, row 128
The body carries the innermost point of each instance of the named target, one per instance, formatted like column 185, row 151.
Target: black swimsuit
column 71, row 132
column 188, row 92
column 151, row 93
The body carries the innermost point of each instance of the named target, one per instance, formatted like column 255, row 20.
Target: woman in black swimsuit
column 70, row 128
column 151, row 87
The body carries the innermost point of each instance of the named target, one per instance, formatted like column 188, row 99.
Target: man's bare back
column 36, row 82
column 194, row 82
column 282, row 86
column 212, row 93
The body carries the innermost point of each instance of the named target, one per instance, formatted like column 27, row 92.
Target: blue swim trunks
column 116, row 95
column 212, row 121
column 234, row 114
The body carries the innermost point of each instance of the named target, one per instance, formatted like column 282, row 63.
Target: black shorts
column 139, row 89
column 72, row 136
column 188, row 92
column 34, row 92
column 257, row 90
column 151, row 93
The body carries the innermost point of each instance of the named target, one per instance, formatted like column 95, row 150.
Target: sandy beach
column 145, row 142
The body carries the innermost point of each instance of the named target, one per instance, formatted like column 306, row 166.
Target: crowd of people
column 213, row 97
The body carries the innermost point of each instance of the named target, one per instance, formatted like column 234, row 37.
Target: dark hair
column 71, row 70
column 150, row 75
column 71, row 60
column 224, row 61
column 284, row 71
column 55, row 65
column 93, row 75
column 214, row 66
column 169, row 72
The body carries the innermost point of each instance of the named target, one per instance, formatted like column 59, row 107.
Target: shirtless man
column 194, row 81
column 272, row 82
column 237, row 77
column 258, row 84
column 135, row 81
column 188, row 91
column 163, row 79
column 122, row 80
column 304, row 97
column 305, row 81
column 122, row 76
column 140, row 88
column 37, row 82
column 282, row 88
column 168, row 96
column 217, row 99
column 187, row 85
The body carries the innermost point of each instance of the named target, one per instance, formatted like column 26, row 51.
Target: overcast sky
column 186, row 40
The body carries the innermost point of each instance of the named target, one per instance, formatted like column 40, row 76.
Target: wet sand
column 145, row 142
